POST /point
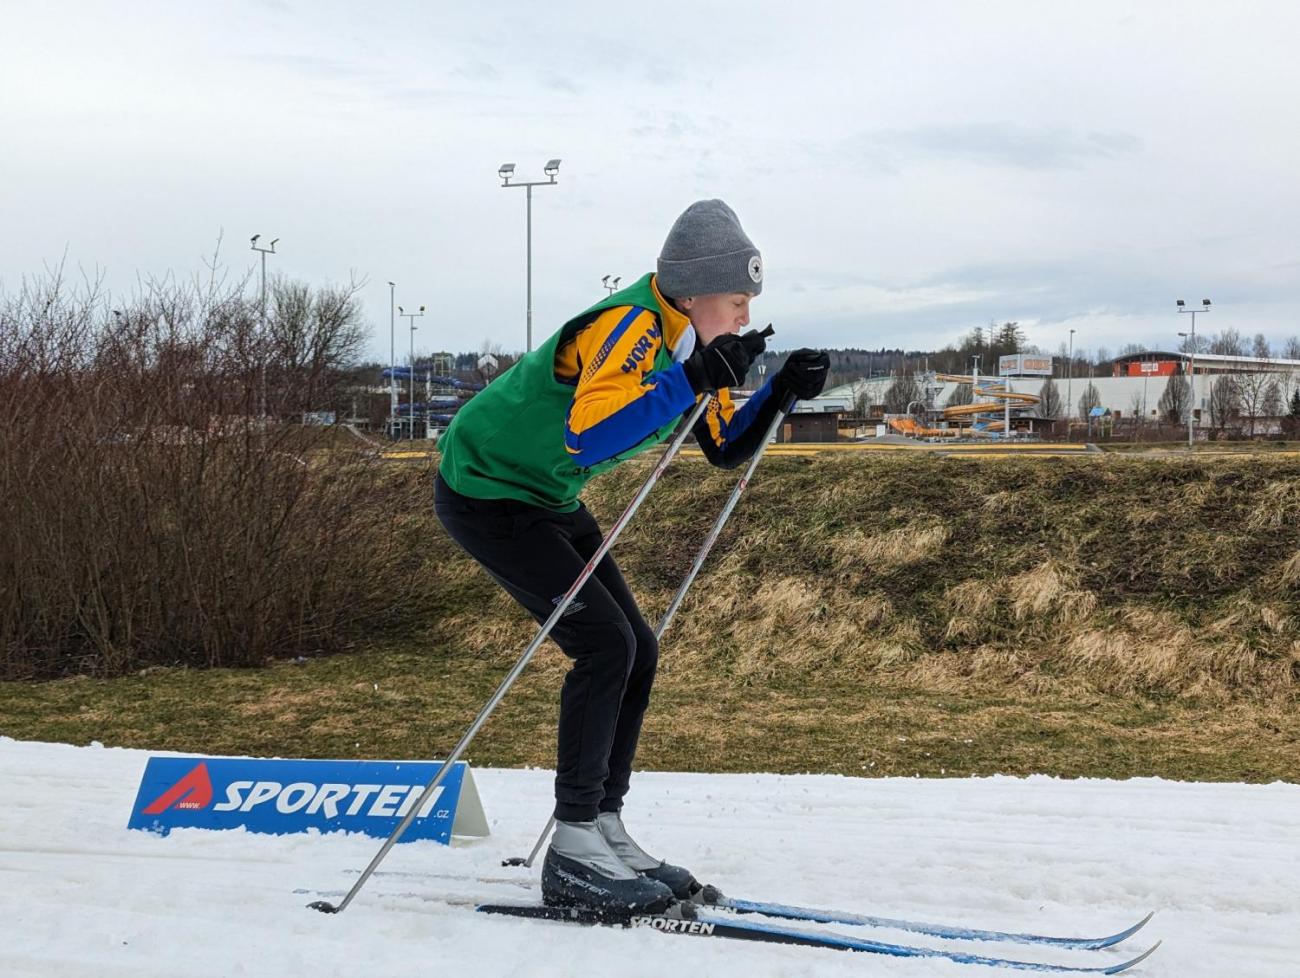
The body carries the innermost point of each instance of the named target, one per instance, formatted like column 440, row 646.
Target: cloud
column 676, row 127
column 993, row 143
column 314, row 66
column 477, row 70
column 557, row 82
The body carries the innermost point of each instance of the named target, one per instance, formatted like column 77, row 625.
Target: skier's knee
column 612, row 643
column 646, row 658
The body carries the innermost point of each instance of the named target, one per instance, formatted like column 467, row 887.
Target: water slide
column 914, row 429
column 435, row 408
column 426, row 375
column 988, row 416
column 420, row 407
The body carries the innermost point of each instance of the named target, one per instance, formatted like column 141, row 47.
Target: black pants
column 536, row 555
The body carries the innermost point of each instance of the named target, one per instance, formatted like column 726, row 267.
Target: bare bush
column 151, row 514
column 1176, row 398
column 1225, row 403
column 903, row 392
column 1258, row 396
column 1089, row 399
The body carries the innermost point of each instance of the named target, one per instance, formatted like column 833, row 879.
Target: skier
column 614, row 381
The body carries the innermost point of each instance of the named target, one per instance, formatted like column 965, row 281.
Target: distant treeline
column 848, row 364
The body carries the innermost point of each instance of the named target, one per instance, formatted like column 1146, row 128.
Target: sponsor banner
column 1160, row 368
column 291, row 796
column 1025, row 365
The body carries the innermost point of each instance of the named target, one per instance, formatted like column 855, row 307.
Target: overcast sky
column 909, row 169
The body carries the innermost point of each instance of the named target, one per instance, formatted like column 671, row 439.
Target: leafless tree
column 1090, row 399
column 1260, row 396
column 961, row 394
column 314, row 333
column 1228, row 342
column 1260, row 347
column 1174, row 400
column 901, row 393
column 1292, row 349
column 1137, row 408
column 1225, row 404
column 1049, row 400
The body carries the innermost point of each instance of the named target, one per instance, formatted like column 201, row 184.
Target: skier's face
column 714, row 315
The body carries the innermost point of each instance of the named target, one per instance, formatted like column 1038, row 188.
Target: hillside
column 1097, row 616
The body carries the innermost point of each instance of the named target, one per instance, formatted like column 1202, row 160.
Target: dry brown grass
column 1126, row 575
column 1277, row 504
column 1050, row 592
column 788, row 624
column 973, row 603
column 889, row 550
column 424, row 699
column 1290, row 575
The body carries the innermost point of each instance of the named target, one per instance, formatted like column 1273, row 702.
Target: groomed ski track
column 80, row 895
column 433, row 882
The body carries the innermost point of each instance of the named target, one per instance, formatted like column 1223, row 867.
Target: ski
column 946, row 931
column 703, row 921
column 695, row 921
column 714, row 899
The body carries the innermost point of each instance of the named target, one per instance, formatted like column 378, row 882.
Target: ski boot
column 581, row 870
column 684, row 886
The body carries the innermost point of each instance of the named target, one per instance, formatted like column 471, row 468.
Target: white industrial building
column 1123, row 396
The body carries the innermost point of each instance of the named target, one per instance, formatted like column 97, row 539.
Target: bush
column 153, row 512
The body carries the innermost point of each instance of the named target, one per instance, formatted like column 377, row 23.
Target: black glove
column 725, row 361
column 804, row 374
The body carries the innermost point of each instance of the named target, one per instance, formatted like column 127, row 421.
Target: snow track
column 80, row 895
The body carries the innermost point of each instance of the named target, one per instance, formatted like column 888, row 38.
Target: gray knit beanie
column 707, row 252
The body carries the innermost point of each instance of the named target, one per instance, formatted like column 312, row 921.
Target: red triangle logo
column 192, row 791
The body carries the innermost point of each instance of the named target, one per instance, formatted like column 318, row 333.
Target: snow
column 81, row 895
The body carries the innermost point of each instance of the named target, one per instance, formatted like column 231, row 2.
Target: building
column 814, row 420
column 1125, row 396
column 1160, row 363
column 810, row 426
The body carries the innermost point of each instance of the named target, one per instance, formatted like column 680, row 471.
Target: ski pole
column 681, row 591
column 726, row 513
column 324, row 905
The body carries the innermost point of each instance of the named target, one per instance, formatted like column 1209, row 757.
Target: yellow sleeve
column 718, row 415
column 619, row 398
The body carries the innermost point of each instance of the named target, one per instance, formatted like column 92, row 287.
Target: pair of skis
column 741, row 919
column 690, row 919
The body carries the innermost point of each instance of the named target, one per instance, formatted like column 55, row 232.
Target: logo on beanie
column 756, row 269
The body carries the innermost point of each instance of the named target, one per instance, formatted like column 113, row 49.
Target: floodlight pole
column 411, row 317
column 262, row 323
column 506, row 173
column 392, row 355
column 1191, row 367
column 1069, row 389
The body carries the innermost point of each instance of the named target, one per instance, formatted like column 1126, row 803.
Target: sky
column 908, row 169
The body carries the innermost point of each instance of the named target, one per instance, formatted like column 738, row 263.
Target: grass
column 405, row 703
column 882, row 614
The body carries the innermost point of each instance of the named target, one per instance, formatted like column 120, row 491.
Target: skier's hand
column 725, row 361
column 804, row 373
